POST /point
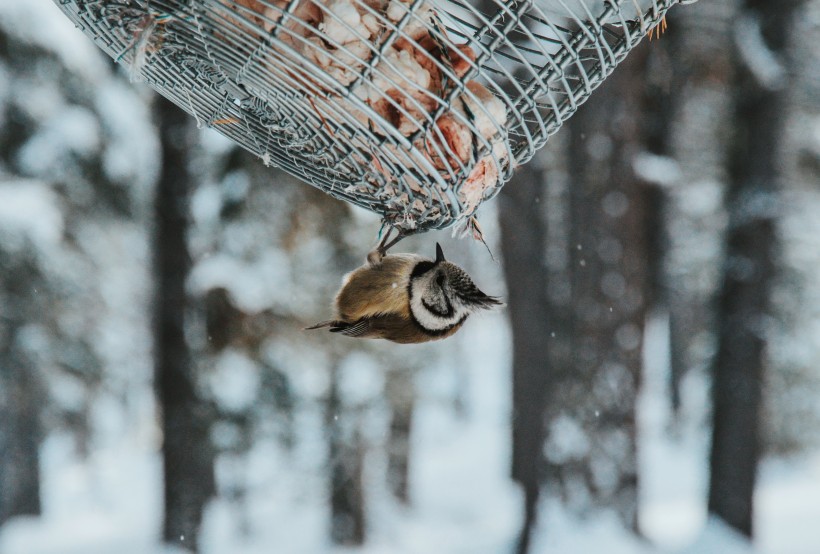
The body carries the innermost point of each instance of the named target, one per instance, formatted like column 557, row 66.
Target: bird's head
column 442, row 295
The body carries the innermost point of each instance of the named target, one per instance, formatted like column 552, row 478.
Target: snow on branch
column 756, row 55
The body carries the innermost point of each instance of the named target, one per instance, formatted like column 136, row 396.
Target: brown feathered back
column 379, row 289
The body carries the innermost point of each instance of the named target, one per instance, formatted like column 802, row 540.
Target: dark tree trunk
column 523, row 243
column 187, row 452
column 609, row 291
column 346, row 453
column 25, row 298
column 402, row 397
column 755, row 159
column 698, row 84
column 665, row 79
column 20, row 433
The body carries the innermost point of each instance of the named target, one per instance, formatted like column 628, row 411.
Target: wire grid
column 418, row 110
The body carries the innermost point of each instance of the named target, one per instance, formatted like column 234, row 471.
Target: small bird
column 406, row 298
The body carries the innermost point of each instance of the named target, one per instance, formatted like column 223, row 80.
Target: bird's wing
column 377, row 290
column 391, row 327
column 360, row 328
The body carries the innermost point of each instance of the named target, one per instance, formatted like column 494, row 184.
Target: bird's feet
column 658, row 29
column 375, row 256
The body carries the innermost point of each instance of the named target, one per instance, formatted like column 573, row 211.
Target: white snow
column 248, row 282
column 131, row 146
column 788, row 506
column 718, row 538
column 759, row 59
column 361, row 379
column 72, row 130
column 234, row 380
column 98, row 506
column 660, row 170
column 39, row 100
column 672, row 486
column 46, row 25
column 567, row 441
column 30, row 208
column 560, row 533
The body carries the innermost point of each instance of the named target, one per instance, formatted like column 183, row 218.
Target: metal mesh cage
column 418, row 110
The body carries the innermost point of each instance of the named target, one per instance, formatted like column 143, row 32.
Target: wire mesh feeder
column 418, row 110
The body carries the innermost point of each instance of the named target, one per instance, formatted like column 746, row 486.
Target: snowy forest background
column 659, row 259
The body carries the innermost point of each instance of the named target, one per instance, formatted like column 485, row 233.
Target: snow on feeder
column 418, row 110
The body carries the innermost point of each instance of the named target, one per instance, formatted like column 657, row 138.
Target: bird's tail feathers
column 328, row 323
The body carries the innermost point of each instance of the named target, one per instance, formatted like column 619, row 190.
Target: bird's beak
column 439, row 254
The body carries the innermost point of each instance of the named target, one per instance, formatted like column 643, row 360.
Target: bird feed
column 418, row 110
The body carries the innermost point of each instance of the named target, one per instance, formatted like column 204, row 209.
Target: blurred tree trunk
column 21, row 393
column 21, row 398
column 591, row 442
column 25, row 297
column 755, row 160
column 187, row 453
column 523, row 243
column 346, row 453
column 665, row 78
column 401, row 396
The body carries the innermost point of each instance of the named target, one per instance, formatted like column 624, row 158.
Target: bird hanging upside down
column 406, row 298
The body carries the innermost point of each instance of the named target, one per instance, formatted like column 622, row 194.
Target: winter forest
column 651, row 386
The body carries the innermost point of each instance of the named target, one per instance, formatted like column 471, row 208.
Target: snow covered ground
column 463, row 501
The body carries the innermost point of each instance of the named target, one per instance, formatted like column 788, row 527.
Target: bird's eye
column 440, row 280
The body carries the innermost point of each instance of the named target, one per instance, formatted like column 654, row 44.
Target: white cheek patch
column 430, row 321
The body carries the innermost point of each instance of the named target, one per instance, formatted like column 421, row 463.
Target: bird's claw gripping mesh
column 418, row 110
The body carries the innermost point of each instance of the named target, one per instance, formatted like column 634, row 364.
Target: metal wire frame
column 301, row 85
